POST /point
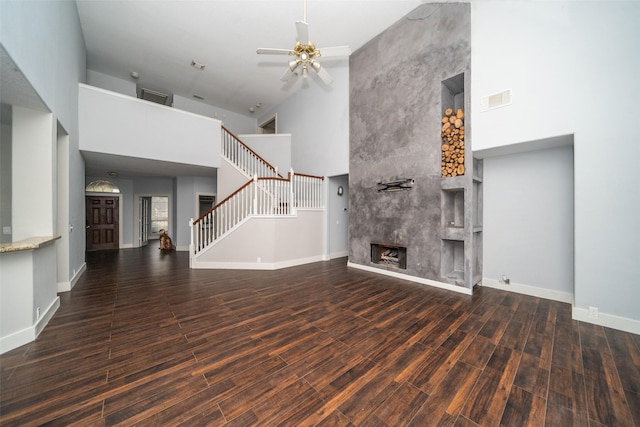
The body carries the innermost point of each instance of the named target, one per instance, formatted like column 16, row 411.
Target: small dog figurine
column 165, row 241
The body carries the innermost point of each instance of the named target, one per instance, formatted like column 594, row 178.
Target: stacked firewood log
column 452, row 143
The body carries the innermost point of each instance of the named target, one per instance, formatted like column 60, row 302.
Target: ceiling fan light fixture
column 316, row 66
column 305, row 73
column 293, row 64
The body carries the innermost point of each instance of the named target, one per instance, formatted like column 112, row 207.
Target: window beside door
column 159, row 214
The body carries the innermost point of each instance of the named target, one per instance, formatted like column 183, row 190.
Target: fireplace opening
column 389, row 255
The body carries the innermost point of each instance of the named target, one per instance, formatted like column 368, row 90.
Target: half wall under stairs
column 270, row 222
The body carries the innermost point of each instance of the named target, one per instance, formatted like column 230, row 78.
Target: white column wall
column 569, row 65
column 33, row 174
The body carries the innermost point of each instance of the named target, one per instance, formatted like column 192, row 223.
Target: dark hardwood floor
column 144, row 340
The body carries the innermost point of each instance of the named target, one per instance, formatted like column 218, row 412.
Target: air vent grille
column 495, row 100
column 153, row 96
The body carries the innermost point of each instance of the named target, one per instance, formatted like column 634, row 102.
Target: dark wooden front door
column 102, row 222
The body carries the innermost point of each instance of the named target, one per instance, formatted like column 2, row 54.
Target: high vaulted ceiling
column 159, row 39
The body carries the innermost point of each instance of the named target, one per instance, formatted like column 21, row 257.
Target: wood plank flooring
column 144, row 340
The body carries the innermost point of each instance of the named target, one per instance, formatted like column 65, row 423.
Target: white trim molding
column 533, row 291
column 67, row 286
column 420, row 280
column 607, row 320
column 257, row 265
column 27, row 335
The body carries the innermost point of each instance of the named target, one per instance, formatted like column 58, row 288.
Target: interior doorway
column 269, row 126
column 205, row 203
column 102, row 222
column 152, row 216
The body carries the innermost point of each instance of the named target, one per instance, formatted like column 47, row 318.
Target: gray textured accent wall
column 395, row 118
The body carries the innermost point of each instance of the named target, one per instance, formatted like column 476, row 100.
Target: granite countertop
column 27, row 244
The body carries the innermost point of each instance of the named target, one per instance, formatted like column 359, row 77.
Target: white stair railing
column 264, row 196
column 308, row 191
column 244, row 157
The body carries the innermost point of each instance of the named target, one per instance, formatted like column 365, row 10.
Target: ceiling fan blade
column 293, row 66
column 268, row 51
column 302, row 29
column 335, row 51
column 322, row 73
column 287, row 75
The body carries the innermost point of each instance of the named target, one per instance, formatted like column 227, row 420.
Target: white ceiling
column 159, row 39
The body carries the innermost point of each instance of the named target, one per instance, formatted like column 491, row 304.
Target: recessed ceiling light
column 135, row 74
column 197, row 65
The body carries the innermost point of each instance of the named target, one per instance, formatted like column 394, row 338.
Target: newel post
column 255, row 194
column 192, row 246
column 291, row 192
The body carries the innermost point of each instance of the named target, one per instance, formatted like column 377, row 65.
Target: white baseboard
column 420, row 280
column 607, row 320
column 255, row 265
column 182, row 248
column 533, row 291
column 126, row 246
column 67, row 286
column 27, row 335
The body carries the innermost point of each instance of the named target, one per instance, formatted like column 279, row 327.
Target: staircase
column 265, row 197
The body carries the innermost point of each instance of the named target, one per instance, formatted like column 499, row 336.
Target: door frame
column 196, row 210
column 120, row 216
column 137, row 215
column 141, row 220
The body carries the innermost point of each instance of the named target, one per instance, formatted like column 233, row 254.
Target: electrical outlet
column 505, row 280
column 259, row 260
column 593, row 312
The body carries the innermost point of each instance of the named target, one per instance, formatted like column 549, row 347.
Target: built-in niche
column 452, row 129
column 453, row 208
column 389, row 255
column 453, row 264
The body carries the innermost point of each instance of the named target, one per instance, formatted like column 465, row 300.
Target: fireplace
column 390, row 255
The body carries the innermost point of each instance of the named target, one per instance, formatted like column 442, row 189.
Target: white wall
column 277, row 242
column 118, row 124
column 5, row 181
column 570, row 65
column 230, row 178
column 45, row 41
column 188, row 188
column 317, row 117
column 274, row 148
column 528, row 220
column 33, row 185
column 113, row 84
column 234, row 122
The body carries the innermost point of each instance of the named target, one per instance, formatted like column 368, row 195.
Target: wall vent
column 495, row 100
column 153, row 96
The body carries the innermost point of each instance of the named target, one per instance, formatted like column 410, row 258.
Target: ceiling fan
column 305, row 54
